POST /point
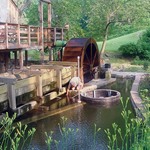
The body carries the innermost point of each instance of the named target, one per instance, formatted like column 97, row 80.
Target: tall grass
column 14, row 137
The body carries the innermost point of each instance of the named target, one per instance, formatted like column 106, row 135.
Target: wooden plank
column 63, row 63
column 23, row 38
column 3, row 97
column 25, row 82
column 3, row 89
column 25, row 89
column 68, row 49
column 46, row 67
column 46, row 1
column 9, row 79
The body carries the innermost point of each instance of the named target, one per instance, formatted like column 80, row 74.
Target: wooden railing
column 16, row 36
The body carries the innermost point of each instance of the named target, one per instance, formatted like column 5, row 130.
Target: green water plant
column 67, row 137
column 14, row 137
column 136, row 134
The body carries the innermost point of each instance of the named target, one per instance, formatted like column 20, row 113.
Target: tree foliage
column 91, row 18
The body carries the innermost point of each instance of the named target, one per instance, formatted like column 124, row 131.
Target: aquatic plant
column 136, row 136
column 14, row 137
column 67, row 137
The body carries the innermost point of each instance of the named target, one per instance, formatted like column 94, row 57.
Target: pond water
column 84, row 117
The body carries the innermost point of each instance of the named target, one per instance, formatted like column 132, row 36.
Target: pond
column 82, row 117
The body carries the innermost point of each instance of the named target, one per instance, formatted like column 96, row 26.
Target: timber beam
column 63, row 63
column 8, row 79
column 46, row 67
column 46, row 1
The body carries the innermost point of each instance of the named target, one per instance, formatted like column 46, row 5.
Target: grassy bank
column 113, row 44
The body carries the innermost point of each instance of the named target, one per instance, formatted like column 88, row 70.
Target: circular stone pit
column 101, row 96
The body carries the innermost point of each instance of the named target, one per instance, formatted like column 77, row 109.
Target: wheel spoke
column 94, row 59
column 91, row 52
column 87, row 58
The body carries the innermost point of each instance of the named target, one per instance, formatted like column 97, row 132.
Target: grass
column 114, row 44
column 115, row 57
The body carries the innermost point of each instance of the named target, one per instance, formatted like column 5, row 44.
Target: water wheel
column 87, row 49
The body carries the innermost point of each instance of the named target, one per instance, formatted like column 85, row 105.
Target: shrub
column 145, row 65
column 143, row 45
column 136, row 61
column 129, row 50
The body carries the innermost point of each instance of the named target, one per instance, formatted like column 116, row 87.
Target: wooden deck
column 16, row 36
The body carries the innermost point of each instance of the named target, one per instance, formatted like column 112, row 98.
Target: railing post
column 6, row 32
column 18, row 35
column 41, row 32
column 21, row 59
column 49, row 15
column 55, row 35
column 62, row 34
column 29, row 37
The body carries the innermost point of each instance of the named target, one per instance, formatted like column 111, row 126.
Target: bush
column 143, row 45
column 141, row 49
column 129, row 50
column 136, row 61
column 145, row 65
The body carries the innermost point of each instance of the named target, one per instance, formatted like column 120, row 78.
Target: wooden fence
column 16, row 36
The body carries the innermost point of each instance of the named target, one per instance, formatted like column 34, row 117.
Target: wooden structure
column 19, row 38
column 34, row 86
column 8, row 11
column 88, row 51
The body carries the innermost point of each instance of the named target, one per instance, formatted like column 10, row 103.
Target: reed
column 15, row 137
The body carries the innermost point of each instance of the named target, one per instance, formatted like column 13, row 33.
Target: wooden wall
column 8, row 11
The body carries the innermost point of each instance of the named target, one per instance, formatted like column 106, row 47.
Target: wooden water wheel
column 87, row 49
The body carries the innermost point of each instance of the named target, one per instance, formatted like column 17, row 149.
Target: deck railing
column 16, row 36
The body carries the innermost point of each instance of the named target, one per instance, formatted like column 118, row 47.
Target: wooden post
column 39, row 86
column 55, row 36
column 59, row 79
column 15, row 58
column 10, row 80
column 51, row 58
column 26, row 58
column 12, row 96
column 6, row 32
column 7, row 59
column 49, row 15
column 18, row 35
column 21, row 59
column 62, row 34
column 41, row 31
column 29, row 37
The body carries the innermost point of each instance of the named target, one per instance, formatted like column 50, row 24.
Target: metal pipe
column 78, row 60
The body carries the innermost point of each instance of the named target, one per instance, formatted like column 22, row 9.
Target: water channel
column 82, row 117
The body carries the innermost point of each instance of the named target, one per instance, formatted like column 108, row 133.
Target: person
column 74, row 84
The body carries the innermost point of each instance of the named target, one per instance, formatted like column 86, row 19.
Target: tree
column 107, row 13
column 22, row 6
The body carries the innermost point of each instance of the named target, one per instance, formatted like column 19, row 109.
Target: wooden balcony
column 16, row 36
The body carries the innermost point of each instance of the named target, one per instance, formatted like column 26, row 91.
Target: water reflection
column 83, row 118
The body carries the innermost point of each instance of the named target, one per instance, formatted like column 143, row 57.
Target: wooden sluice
column 25, row 90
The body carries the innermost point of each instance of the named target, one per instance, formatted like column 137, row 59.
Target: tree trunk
column 104, row 44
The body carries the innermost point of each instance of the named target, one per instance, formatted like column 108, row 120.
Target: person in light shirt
column 74, row 84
